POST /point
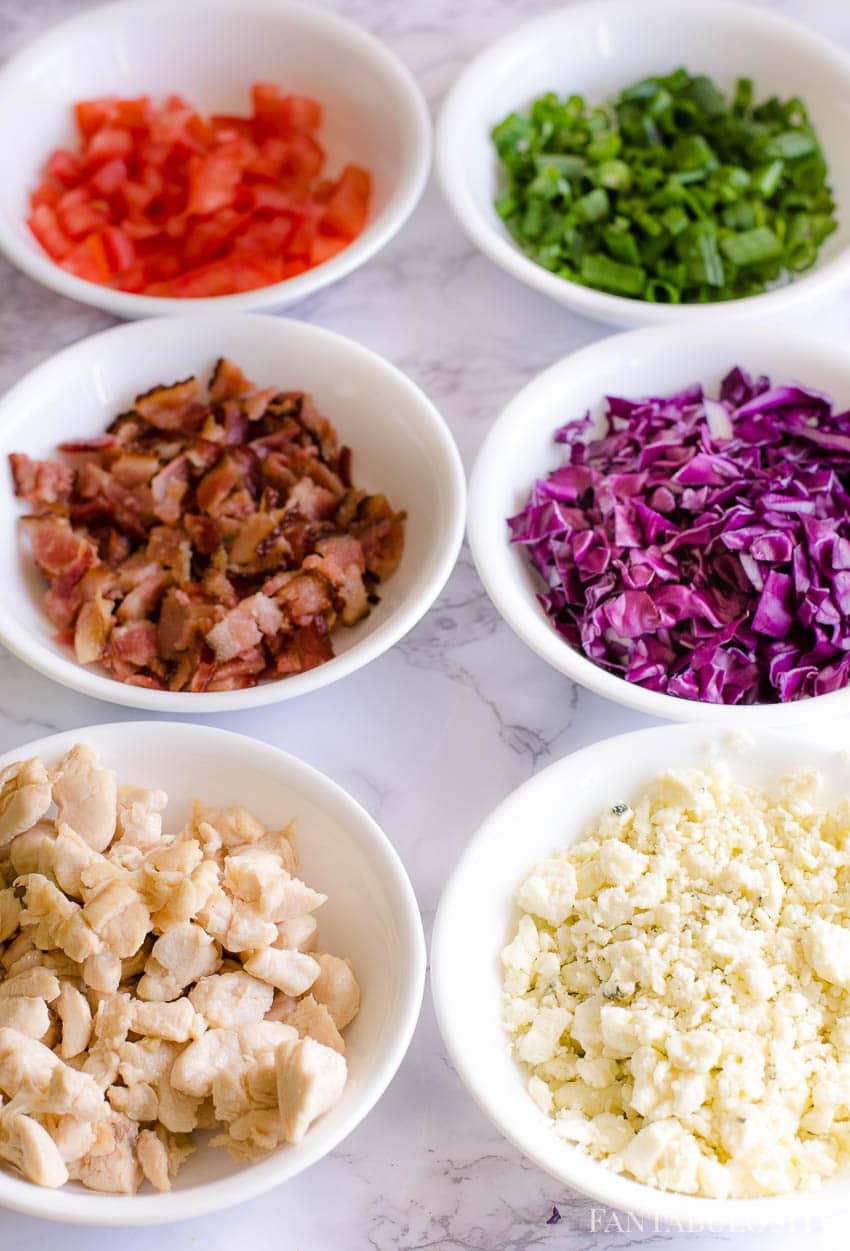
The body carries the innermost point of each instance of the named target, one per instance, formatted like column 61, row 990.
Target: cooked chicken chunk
column 116, row 1171
column 336, row 987
column 30, row 1016
column 74, row 1012
column 28, row 1146
column 226, row 1000
column 86, row 796
column 293, row 972
column 310, row 1079
column 24, row 797
column 313, row 1019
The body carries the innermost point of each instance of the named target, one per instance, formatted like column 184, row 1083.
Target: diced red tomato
column 120, row 249
column 92, row 114
column 348, row 206
column 64, row 167
column 161, row 200
column 88, row 260
column 45, row 226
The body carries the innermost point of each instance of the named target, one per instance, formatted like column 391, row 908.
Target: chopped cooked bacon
column 94, row 624
column 135, row 643
column 305, row 648
column 306, row 597
column 244, row 626
column 206, row 545
column 58, row 551
column 312, row 501
column 227, row 381
column 40, row 481
column 168, row 488
column 166, row 408
column 341, row 560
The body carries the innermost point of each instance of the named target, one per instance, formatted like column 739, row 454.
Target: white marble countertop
column 446, row 724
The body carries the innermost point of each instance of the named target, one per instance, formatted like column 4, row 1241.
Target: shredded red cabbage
column 701, row 547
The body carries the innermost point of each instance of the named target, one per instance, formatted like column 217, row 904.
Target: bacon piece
column 62, row 601
column 255, row 404
column 134, row 468
column 307, row 647
column 341, row 560
column 147, row 680
column 166, row 408
column 94, row 624
column 244, row 626
column 58, row 551
column 182, row 618
column 171, row 548
column 314, row 502
column 97, row 443
column 215, row 486
column 227, row 381
column 204, row 532
column 381, row 533
column 135, row 643
column 169, row 487
column 40, row 481
column 305, row 597
column 238, row 674
column 144, row 598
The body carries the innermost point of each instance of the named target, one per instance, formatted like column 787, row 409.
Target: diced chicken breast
column 293, row 972
column 298, row 934
column 117, row 1171
column 198, row 1064
column 86, row 796
column 227, row 1000
column 30, row 1016
column 28, row 1146
column 310, row 1079
column 313, row 1020
column 336, row 987
column 24, row 797
column 74, row 1012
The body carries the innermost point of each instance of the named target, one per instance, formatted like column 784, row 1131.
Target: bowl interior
column 210, row 52
column 521, row 447
column 478, row 911
column 399, row 448
column 370, row 916
column 596, row 50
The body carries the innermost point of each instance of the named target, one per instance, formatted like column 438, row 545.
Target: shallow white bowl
column 400, row 446
column 210, row 52
column 596, row 49
column 476, row 915
column 371, row 916
column 519, row 448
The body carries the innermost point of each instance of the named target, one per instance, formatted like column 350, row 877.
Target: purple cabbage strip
column 701, row 547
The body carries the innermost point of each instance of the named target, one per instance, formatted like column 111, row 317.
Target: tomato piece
column 213, row 180
column 88, row 260
column 92, row 114
column 46, row 193
column 300, row 113
column 206, row 238
column 266, row 237
column 64, row 167
column 325, row 246
column 79, row 220
column 348, row 207
column 222, row 277
column 109, row 144
column 226, row 127
column 45, row 226
column 119, row 248
column 303, row 159
column 134, row 114
column 109, row 178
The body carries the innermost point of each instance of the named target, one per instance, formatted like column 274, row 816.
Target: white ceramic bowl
column 211, row 51
column 371, row 916
column 519, row 448
column 400, row 445
column 477, row 911
column 598, row 48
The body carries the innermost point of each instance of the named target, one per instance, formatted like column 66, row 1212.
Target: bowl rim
column 600, row 306
column 151, row 1209
column 30, row 648
column 534, row 628
column 412, row 178
column 689, row 1213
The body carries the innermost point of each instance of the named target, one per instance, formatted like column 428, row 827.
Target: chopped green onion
column 672, row 193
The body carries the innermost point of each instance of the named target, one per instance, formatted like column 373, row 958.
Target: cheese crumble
column 678, row 986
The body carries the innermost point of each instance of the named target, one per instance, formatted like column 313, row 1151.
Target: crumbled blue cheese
column 679, row 986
